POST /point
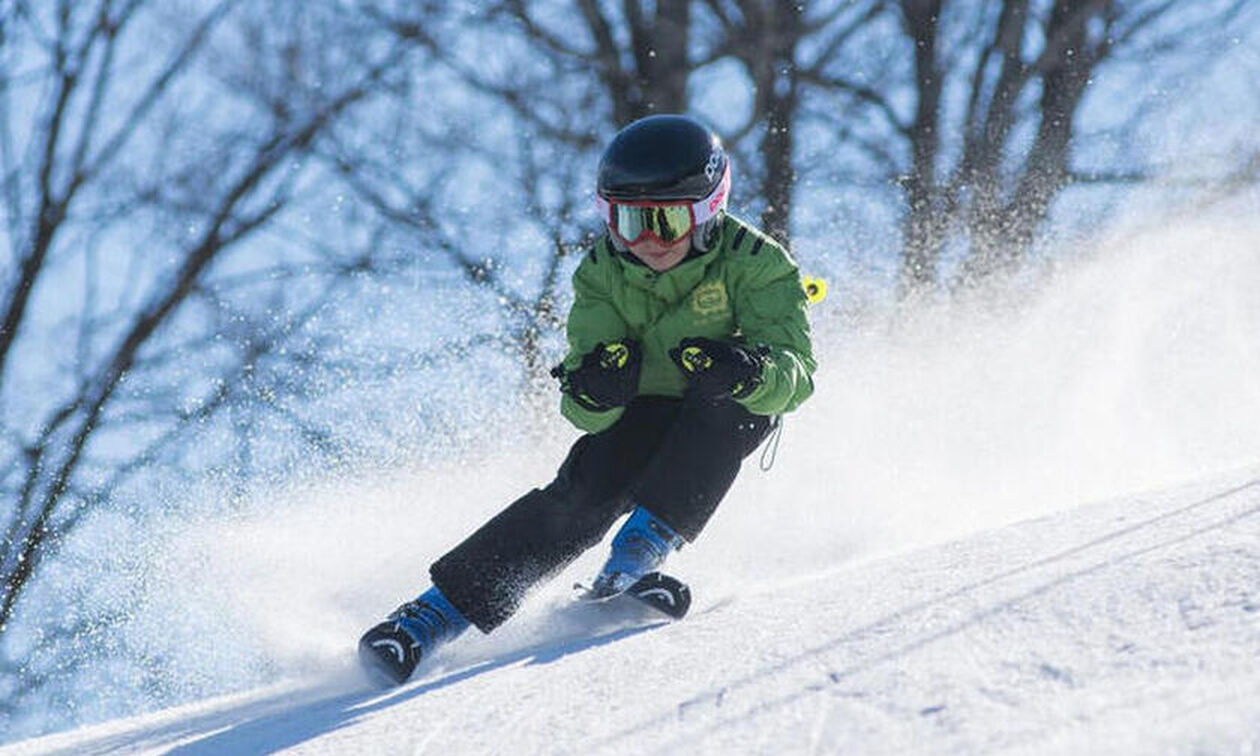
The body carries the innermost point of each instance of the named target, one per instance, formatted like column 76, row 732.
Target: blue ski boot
column 391, row 650
column 640, row 547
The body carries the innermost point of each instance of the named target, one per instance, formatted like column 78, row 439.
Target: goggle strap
column 707, row 208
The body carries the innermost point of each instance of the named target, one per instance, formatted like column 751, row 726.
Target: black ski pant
column 677, row 458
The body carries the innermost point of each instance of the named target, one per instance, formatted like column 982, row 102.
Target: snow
column 1127, row 626
column 1034, row 532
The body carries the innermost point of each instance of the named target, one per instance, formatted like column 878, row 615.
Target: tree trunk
column 1064, row 81
column 924, row 225
column 778, row 90
column 660, row 53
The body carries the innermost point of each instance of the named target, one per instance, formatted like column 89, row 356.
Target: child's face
column 660, row 256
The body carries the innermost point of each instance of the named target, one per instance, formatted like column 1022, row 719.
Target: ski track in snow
column 940, row 618
column 1127, row 626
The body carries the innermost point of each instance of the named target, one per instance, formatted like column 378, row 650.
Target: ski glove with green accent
column 607, row 377
column 718, row 369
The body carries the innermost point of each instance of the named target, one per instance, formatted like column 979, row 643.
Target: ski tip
column 664, row 593
column 384, row 657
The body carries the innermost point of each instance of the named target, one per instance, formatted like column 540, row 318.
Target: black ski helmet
column 668, row 158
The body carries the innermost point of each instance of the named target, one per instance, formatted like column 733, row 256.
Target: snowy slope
column 1130, row 626
column 916, row 572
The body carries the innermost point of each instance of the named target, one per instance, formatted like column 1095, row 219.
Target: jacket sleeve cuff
column 780, row 390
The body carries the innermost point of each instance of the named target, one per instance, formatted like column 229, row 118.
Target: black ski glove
column 608, row 376
column 719, row 369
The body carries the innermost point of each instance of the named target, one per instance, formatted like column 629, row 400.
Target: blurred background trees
column 226, row 225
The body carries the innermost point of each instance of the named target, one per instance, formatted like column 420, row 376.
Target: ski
column 663, row 593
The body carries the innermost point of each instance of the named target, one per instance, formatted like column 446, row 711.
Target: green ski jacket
column 746, row 290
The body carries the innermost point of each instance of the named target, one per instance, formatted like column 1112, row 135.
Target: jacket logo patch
column 709, row 299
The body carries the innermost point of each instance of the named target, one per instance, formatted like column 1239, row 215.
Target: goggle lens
column 668, row 223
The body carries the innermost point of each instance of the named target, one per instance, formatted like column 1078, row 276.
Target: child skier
column 687, row 338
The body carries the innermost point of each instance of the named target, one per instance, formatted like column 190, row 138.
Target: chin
column 664, row 262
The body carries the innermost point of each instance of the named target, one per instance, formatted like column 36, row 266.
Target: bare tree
column 639, row 52
column 974, row 116
column 511, row 245
column 997, row 92
column 127, row 320
column 646, row 54
column 647, row 70
column 781, row 47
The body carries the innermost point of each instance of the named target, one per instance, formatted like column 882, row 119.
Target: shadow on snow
column 276, row 723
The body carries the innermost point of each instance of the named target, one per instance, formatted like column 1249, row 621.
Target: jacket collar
column 673, row 284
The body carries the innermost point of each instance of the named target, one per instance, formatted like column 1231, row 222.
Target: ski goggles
column 667, row 222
